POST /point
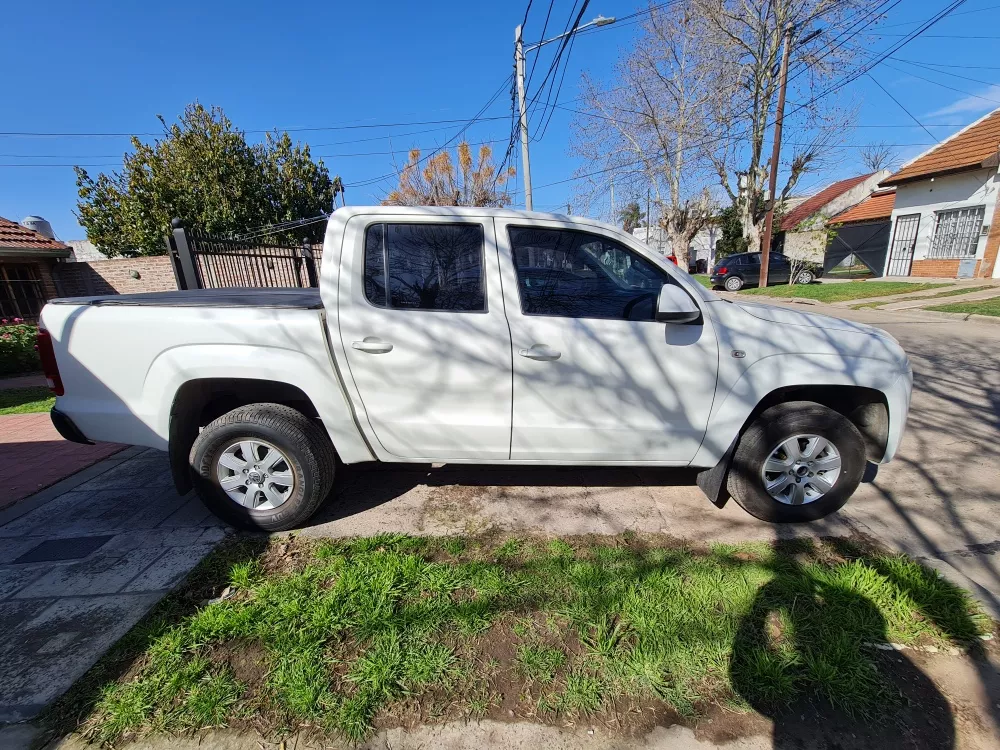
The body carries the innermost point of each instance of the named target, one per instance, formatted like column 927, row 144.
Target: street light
column 519, row 52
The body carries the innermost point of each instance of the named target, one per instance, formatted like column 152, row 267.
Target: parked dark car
column 743, row 269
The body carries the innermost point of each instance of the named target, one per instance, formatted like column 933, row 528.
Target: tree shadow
column 811, row 635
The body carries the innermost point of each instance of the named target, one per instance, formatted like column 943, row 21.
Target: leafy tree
column 631, row 216
column 437, row 183
column 733, row 240
column 204, row 172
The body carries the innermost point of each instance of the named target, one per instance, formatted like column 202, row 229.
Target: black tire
column 805, row 276
column 777, row 424
column 311, row 459
column 733, row 284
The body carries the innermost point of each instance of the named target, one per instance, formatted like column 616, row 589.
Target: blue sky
column 103, row 67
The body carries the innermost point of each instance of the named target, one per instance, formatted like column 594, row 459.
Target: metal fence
column 201, row 261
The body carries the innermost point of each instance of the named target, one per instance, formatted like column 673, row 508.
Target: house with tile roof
column 945, row 220
column 802, row 231
column 26, row 263
column 858, row 238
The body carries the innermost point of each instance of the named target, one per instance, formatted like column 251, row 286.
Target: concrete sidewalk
column 81, row 563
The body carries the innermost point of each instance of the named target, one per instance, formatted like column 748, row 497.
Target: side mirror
column 675, row 306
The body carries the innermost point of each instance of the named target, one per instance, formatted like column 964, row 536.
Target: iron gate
column 201, row 261
column 904, row 240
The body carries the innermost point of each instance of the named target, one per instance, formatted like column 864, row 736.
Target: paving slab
column 55, row 647
column 36, row 456
column 82, row 566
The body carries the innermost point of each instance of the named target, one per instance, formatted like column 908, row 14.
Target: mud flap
column 713, row 481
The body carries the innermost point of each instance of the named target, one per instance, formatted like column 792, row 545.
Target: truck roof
column 346, row 212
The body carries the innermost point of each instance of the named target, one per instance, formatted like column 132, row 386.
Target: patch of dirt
column 248, row 661
column 456, row 508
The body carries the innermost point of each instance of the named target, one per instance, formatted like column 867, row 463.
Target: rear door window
column 425, row 266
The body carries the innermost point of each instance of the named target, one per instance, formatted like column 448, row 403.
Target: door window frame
column 415, row 221
column 594, row 232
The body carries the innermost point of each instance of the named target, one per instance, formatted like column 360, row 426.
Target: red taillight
column 48, row 357
column 722, row 269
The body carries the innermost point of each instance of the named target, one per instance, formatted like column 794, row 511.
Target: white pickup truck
column 482, row 336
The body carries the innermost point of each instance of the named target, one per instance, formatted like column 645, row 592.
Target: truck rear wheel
column 263, row 466
column 798, row 461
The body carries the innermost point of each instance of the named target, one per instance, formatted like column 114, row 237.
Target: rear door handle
column 372, row 345
column 541, row 352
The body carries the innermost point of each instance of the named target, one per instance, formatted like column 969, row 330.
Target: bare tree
column 746, row 41
column 648, row 124
column 435, row 182
column 878, row 156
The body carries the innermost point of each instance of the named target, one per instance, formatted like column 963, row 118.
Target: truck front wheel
column 263, row 466
column 798, row 461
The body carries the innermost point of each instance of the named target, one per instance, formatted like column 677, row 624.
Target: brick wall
column 115, row 276
column 945, row 269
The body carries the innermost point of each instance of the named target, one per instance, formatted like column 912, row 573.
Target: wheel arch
column 198, row 402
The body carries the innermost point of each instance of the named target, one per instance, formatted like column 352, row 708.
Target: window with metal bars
column 956, row 233
column 21, row 292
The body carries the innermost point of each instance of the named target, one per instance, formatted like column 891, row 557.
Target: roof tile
column 13, row 235
column 814, row 203
column 968, row 149
column 877, row 206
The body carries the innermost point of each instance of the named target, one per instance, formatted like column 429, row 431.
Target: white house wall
column 927, row 197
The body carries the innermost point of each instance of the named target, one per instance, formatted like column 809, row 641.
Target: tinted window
column 751, row 260
column 778, row 258
column 580, row 275
column 428, row 266
column 375, row 264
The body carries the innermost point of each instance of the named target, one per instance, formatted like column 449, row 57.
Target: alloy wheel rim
column 732, row 285
column 801, row 469
column 805, row 277
column 255, row 474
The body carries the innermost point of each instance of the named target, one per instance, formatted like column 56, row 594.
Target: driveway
column 81, row 563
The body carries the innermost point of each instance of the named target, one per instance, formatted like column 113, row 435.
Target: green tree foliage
column 733, row 240
column 631, row 216
column 204, row 172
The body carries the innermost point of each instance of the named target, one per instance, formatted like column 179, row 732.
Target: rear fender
column 174, row 367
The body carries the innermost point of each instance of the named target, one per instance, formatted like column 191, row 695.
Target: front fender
column 788, row 370
column 179, row 365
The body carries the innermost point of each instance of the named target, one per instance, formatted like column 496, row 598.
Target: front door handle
column 372, row 345
column 540, row 352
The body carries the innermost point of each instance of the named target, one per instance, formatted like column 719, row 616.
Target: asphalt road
column 937, row 501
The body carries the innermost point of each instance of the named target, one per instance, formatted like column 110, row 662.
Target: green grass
column 26, row 400
column 703, row 279
column 341, row 636
column 841, row 292
column 989, row 306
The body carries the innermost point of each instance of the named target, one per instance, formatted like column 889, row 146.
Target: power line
column 285, row 130
column 900, row 105
column 942, row 85
column 946, row 72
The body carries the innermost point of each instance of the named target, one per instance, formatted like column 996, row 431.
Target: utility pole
column 612, row 199
column 647, row 216
column 765, row 243
column 569, row 209
column 519, row 52
column 519, row 73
